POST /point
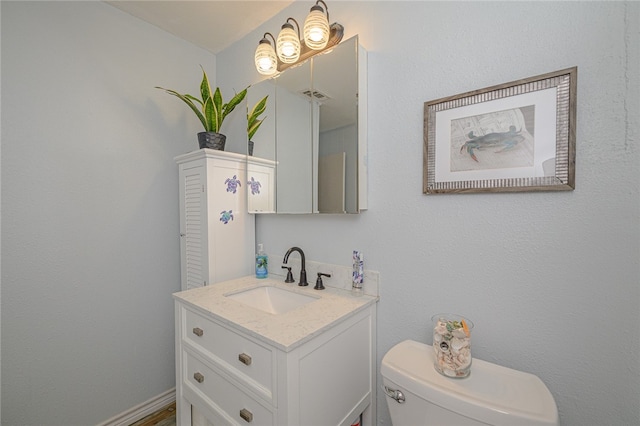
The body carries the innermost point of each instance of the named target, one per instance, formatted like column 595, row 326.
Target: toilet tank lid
column 491, row 393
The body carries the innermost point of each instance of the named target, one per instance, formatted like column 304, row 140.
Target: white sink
column 270, row 299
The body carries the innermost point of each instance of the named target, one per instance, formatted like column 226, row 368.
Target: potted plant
column 253, row 124
column 210, row 110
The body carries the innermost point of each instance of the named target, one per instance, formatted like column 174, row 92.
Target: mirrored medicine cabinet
column 309, row 155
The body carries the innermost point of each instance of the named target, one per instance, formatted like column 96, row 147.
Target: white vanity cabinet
column 223, row 374
column 231, row 375
column 217, row 236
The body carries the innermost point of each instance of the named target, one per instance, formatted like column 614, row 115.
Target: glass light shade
column 316, row 29
column 288, row 45
column 266, row 60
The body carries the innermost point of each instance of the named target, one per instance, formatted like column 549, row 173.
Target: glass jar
column 452, row 344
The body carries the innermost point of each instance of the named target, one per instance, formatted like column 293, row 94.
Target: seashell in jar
column 464, row 359
column 437, row 338
column 459, row 333
column 457, row 344
column 440, row 328
column 445, row 362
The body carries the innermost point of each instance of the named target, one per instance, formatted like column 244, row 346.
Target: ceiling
column 213, row 25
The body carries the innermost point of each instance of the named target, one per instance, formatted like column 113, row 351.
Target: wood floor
column 166, row 416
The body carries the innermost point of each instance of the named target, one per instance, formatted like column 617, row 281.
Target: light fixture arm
column 326, row 8
column 297, row 25
column 264, row 37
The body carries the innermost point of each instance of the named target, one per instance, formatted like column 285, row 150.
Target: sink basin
column 270, row 299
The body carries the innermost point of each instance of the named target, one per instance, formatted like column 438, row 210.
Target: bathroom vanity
column 311, row 363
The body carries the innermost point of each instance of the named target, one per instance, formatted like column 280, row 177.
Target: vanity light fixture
column 265, row 57
column 288, row 43
column 316, row 27
column 290, row 49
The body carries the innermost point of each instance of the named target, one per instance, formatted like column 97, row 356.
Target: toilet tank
column 491, row 395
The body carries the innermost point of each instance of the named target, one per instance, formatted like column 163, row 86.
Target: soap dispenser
column 261, row 263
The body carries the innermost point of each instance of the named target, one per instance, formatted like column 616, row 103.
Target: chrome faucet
column 303, row 271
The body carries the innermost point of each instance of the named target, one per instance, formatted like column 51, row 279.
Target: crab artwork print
column 496, row 140
column 501, row 141
column 518, row 136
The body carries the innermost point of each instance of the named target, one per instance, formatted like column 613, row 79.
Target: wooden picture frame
column 517, row 136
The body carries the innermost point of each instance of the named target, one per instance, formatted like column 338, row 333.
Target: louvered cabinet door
column 193, row 226
column 217, row 233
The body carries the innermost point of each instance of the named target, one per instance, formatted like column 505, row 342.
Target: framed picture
column 517, row 136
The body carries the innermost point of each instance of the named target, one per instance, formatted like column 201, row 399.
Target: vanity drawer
column 243, row 358
column 222, row 396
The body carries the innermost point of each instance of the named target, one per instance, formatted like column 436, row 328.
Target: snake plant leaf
column 253, row 128
column 258, row 108
column 217, row 103
column 230, row 106
column 211, row 114
column 253, row 124
column 217, row 116
column 187, row 100
column 205, row 87
column 193, row 98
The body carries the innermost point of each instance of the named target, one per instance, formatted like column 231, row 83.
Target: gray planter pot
column 212, row 140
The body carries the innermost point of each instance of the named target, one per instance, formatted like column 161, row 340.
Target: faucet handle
column 319, row 285
column 289, row 278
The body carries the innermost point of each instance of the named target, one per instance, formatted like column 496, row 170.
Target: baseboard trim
column 140, row 411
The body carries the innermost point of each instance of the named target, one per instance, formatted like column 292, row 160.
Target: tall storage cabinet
column 217, row 234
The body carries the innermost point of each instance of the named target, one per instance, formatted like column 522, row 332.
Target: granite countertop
column 284, row 331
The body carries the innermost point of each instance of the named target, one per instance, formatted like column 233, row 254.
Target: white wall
column 89, row 208
column 551, row 280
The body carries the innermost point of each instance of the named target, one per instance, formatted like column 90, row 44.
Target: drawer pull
column 244, row 358
column 198, row 331
column 246, row 415
column 199, row 377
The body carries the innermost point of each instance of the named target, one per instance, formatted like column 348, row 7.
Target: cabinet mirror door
column 310, row 137
column 294, row 150
column 335, row 89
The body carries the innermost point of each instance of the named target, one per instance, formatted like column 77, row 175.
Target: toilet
column 492, row 395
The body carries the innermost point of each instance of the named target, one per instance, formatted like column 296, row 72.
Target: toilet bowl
column 492, row 395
